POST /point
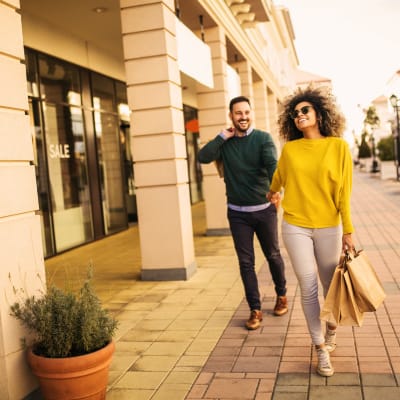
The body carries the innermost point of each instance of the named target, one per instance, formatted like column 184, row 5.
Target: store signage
column 59, row 151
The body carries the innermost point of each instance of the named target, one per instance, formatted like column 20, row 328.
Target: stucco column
column 21, row 254
column 244, row 70
column 261, row 106
column 213, row 106
column 273, row 112
column 158, row 141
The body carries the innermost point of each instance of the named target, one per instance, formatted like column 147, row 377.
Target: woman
column 315, row 171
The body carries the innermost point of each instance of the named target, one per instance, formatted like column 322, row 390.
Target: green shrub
column 65, row 324
column 386, row 149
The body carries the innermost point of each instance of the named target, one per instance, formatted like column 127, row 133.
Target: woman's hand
column 274, row 198
column 347, row 242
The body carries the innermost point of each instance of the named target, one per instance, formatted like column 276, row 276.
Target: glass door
column 108, row 140
column 69, row 189
column 65, row 149
column 192, row 148
column 40, row 162
column 82, row 152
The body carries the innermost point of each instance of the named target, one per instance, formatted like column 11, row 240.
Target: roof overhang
column 250, row 10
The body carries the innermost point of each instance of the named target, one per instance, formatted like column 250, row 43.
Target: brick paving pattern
column 278, row 362
column 186, row 340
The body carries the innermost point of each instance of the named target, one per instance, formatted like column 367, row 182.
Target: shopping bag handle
column 351, row 254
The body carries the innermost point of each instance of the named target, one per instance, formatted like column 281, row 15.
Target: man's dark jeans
column 264, row 224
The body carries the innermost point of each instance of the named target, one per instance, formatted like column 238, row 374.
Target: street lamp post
column 394, row 101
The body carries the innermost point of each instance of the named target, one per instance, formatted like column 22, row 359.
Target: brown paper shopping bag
column 350, row 313
column 330, row 311
column 340, row 305
column 368, row 289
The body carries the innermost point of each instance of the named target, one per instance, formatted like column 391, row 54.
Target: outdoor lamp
column 394, row 101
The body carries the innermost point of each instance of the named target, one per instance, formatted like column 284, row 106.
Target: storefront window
column 66, row 155
column 40, row 160
column 59, row 82
column 41, row 178
column 108, row 138
column 31, row 75
column 126, row 151
column 82, row 154
column 192, row 148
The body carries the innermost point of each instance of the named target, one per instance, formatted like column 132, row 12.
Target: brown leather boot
column 281, row 306
column 255, row 320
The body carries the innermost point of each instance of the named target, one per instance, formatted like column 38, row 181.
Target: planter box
column 71, row 378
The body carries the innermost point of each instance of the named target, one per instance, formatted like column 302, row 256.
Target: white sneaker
column 330, row 339
column 324, row 367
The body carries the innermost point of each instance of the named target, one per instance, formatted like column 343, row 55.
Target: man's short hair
column 238, row 99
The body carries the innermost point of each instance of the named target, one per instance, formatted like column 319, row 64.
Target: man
column 249, row 160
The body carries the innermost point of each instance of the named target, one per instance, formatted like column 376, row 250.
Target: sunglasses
column 304, row 110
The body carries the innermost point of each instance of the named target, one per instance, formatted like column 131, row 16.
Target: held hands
column 347, row 238
column 274, row 198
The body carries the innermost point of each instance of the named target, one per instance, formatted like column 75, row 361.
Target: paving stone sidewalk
column 278, row 362
column 186, row 339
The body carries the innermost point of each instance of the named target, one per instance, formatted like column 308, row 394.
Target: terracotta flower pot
column 81, row 377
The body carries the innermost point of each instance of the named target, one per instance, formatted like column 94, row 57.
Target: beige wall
column 21, row 255
column 45, row 37
column 189, row 91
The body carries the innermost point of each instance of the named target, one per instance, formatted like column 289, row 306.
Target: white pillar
column 261, row 106
column 158, row 141
column 273, row 113
column 213, row 106
column 244, row 70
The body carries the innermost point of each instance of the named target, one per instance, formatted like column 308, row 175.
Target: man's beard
column 239, row 128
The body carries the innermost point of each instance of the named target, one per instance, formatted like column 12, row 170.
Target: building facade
column 102, row 111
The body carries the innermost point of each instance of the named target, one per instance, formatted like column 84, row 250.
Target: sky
column 355, row 43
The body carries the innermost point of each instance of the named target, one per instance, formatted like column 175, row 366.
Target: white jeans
column 313, row 253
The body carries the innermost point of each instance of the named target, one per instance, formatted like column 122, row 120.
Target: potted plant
column 72, row 343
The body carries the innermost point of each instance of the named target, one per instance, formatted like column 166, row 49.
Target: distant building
column 393, row 84
column 385, row 113
column 304, row 79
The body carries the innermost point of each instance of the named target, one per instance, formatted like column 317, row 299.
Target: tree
column 371, row 118
column 371, row 121
column 364, row 150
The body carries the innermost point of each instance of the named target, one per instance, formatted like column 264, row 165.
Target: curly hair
column 331, row 121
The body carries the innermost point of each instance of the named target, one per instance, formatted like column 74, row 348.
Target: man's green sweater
column 249, row 163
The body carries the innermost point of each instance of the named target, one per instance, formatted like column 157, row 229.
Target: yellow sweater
column 316, row 175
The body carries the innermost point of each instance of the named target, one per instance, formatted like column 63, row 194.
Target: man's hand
column 274, row 198
column 228, row 132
